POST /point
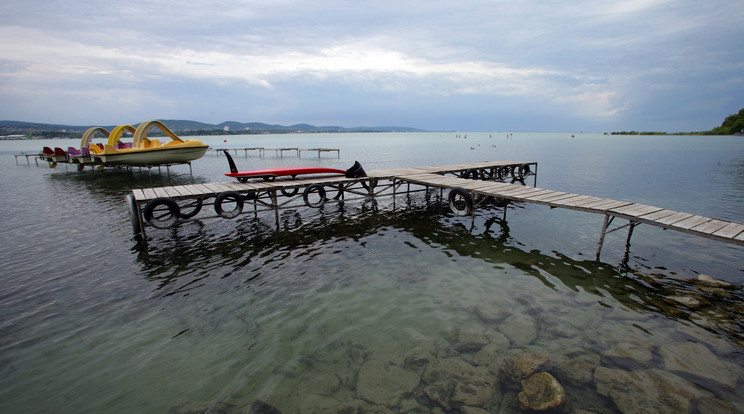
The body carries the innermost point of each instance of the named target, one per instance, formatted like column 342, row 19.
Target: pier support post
column 607, row 221
column 275, row 205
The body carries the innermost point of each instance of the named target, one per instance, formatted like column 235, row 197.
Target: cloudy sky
column 466, row 65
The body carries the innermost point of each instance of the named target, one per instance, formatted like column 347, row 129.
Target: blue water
column 219, row 314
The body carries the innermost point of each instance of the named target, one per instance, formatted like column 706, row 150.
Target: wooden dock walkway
column 277, row 151
column 474, row 183
column 635, row 213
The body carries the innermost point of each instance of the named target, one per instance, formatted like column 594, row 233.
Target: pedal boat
column 143, row 151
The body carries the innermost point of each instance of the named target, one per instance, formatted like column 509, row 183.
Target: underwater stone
column 705, row 280
column 200, row 408
column 470, row 339
column 577, row 372
column 697, row 360
column 440, row 393
column 650, row 391
column 541, row 392
column 520, row 366
column 498, row 339
column 473, row 410
column 622, row 353
column 383, row 383
column 686, row 301
column 477, row 394
column 491, row 312
column 448, row 368
column 491, row 357
column 710, row 405
column 357, row 407
column 520, row 329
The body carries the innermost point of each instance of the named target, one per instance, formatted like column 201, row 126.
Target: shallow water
column 231, row 315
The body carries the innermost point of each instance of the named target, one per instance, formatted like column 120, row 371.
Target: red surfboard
column 269, row 174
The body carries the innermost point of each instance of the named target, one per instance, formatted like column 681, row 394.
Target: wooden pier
column 277, row 151
column 470, row 186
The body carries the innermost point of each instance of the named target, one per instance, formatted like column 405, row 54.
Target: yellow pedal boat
column 142, row 151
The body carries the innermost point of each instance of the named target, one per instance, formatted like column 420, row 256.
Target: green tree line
column 733, row 124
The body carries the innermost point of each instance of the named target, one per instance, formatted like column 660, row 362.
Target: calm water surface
column 232, row 316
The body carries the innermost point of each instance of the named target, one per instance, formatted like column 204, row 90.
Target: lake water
column 370, row 308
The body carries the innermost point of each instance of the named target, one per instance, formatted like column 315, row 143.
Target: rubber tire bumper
column 309, row 190
column 232, row 196
column 462, row 207
column 174, row 212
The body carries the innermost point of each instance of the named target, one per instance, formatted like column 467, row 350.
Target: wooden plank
column 215, row 188
column 690, row 222
column 202, row 189
column 588, row 203
column 515, row 190
column 188, row 190
column 138, row 194
column 555, row 201
column 710, row 226
column 658, row 215
column 674, row 218
column 543, row 197
column 172, row 192
column 160, row 192
column 635, row 210
column 149, row 193
column 730, row 230
column 574, row 201
column 604, row 207
column 538, row 194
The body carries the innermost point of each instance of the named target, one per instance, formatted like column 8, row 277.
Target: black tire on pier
column 308, row 193
column 460, row 201
column 134, row 216
column 524, row 170
column 195, row 205
column 162, row 212
column 230, row 197
column 470, row 174
column 289, row 192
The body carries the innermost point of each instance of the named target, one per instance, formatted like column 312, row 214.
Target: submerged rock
column 470, row 339
column 686, row 301
column 440, row 393
column 705, row 280
column 577, row 372
column 261, row 407
column 520, row 329
column 650, row 391
column 520, row 366
column 491, row 357
column 697, row 361
column 475, row 394
column 201, row 408
column 385, row 384
column 541, row 392
column 448, row 368
column 492, row 312
column 628, row 354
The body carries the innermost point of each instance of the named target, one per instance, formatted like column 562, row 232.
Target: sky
column 466, row 65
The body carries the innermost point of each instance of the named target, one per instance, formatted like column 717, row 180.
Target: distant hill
column 186, row 127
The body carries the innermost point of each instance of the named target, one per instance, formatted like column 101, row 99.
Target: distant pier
column 277, row 151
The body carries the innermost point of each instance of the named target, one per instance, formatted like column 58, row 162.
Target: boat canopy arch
column 88, row 135
column 117, row 132
column 141, row 134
